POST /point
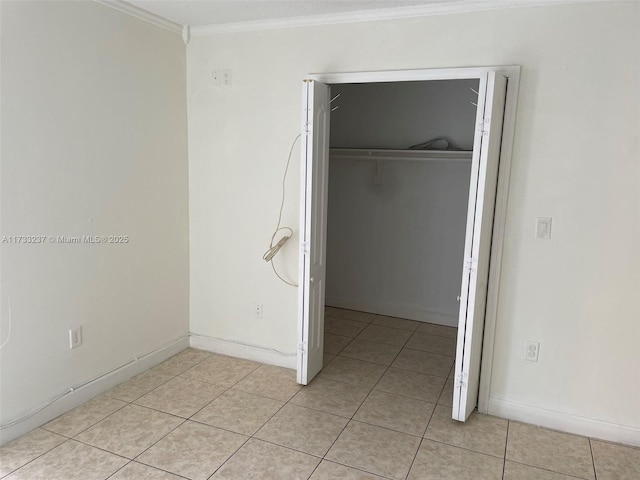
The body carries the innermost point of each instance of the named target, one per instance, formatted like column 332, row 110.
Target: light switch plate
column 543, row 228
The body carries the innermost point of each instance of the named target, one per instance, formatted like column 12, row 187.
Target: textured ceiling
column 216, row 12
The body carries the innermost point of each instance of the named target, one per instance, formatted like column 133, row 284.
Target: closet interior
column 400, row 164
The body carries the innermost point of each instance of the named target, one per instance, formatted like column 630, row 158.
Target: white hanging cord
column 273, row 249
column 253, row 345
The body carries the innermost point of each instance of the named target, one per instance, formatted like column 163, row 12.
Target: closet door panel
column 313, row 237
column 475, row 278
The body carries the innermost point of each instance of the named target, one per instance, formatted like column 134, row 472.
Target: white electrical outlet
column 531, row 350
column 75, row 337
column 258, row 310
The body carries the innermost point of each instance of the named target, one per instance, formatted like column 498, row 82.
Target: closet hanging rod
column 400, row 155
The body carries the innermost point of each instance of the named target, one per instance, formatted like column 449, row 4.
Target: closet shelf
column 400, row 155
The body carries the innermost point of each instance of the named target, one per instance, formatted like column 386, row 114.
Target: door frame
column 512, row 72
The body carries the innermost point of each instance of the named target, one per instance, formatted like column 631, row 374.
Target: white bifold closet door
column 313, row 234
column 313, row 221
column 477, row 249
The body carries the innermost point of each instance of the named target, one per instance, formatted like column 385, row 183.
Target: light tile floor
column 380, row 409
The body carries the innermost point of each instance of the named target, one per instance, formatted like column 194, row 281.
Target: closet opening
column 399, row 170
column 399, row 187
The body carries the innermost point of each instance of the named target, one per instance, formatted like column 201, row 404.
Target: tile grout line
column 546, row 470
column 422, row 439
column 415, row 455
column 146, row 465
column 593, row 460
column 467, row 449
column 506, row 444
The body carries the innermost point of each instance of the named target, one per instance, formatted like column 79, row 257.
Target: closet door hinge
column 304, row 248
column 483, row 127
column 302, row 348
column 461, row 380
column 471, row 265
column 307, row 129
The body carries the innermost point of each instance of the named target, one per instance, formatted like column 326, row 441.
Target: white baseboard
column 401, row 311
column 564, row 422
column 90, row 390
column 248, row 352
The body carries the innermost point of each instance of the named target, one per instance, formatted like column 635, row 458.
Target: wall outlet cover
column 531, row 350
column 75, row 337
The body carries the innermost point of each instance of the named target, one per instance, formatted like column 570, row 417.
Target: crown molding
column 457, row 6
column 141, row 14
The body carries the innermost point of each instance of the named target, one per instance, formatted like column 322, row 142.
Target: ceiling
column 218, row 12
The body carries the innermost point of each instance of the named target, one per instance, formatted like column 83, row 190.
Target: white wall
column 575, row 159
column 397, row 248
column 391, row 115
column 93, row 143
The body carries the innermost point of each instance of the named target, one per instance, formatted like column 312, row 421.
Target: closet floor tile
column 433, row 344
column 395, row 322
column 371, row 352
column 411, row 384
column 424, row 362
column 330, row 396
column 343, row 327
column 387, row 335
column 354, row 372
